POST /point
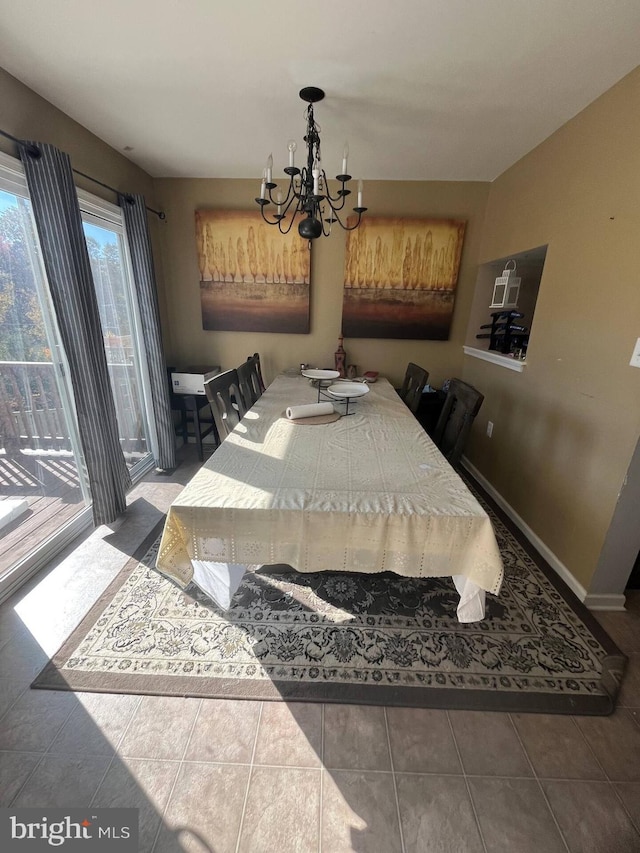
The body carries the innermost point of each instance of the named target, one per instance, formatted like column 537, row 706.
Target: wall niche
column 500, row 333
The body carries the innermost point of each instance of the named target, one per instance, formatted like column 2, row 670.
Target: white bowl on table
column 348, row 389
column 313, row 373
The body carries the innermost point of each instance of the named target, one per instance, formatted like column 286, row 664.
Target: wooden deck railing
column 31, row 413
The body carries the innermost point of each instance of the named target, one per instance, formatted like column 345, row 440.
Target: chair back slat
column 227, row 403
column 249, row 383
column 460, row 407
column 413, row 385
column 254, row 360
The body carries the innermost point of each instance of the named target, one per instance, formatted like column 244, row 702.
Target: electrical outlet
column 489, row 428
column 635, row 358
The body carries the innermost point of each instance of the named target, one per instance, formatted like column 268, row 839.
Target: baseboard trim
column 605, row 601
column 557, row 565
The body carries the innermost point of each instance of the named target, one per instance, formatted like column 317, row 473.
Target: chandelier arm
column 297, row 190
column 292, row 196
column 336, row 218
column 326, row 229
column 289, row 192
column 289, row 227
column 359, row 211
column 332, row 199
column 336, row 207
column 288, row 205
column 305, row 179
column 337, row 202
column 273, row 221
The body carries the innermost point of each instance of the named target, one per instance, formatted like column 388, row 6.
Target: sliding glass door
column 44, row 495
column 104, row 232
column 44, row 498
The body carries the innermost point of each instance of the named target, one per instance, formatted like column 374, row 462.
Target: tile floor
column 221, row 775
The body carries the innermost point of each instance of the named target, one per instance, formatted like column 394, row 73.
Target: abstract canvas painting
column 400, row 278
column 252, row 277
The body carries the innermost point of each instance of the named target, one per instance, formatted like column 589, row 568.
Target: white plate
column 348, row 389
column 312, row 373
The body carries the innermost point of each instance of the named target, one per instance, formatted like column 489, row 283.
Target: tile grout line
column 43, row 756
column 634, row 824
column 115, row 752
column 466, row 782
column 29, row 777
column 393, row 778
column 19, row 696
column 607, row 778
column 629, row 709
column 372, row 771
column 251, row 766
column 175, row 781
column 104, row 776
column 590, row 748
column 538, row 783
column 202, row 763
column 322, row 707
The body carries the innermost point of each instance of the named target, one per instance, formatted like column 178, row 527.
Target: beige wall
column 565, row 429
column 26, row 115
column 192, row 345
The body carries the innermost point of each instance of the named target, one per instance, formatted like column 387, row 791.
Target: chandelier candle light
column 308, row 191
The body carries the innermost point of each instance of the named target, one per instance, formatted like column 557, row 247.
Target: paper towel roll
column 311, row 410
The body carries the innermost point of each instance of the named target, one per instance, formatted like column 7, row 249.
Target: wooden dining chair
column 413, row 385
column 460, row 407
column 249, row 381
column 227, row 404
column 255, row 362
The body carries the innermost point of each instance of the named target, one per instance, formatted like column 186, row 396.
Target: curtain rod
column 159, row 213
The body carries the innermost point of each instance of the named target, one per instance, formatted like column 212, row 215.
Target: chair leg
column 198, row 433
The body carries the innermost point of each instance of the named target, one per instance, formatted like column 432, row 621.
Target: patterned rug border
column 570, row 598
column 53, row 678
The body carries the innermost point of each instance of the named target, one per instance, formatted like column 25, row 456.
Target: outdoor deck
column 50, row 485
column 36, row 459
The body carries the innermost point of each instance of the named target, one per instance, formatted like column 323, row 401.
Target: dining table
column 368, row 492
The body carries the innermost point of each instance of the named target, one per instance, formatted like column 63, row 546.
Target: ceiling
column 421, row 89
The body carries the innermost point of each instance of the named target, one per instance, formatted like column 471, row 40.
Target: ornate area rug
column 338, row 637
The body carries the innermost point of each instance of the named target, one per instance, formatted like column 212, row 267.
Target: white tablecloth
column 367, row 493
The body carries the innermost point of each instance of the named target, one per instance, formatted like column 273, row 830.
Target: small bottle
column 340, row 358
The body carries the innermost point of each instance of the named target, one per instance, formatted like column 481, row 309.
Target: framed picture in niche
column 400, row 278
column 252, row 277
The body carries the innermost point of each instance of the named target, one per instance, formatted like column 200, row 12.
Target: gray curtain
column 135, row 220
column 66, row 261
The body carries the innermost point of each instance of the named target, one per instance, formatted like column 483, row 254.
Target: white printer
column 190, row 380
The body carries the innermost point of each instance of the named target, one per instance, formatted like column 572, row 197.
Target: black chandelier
column 308, row 191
